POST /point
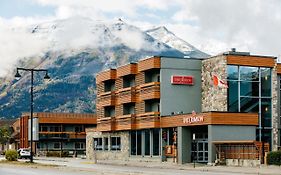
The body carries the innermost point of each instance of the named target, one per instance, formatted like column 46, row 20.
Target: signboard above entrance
column 182, row 79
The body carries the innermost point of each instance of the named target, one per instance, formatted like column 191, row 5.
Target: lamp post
column 17, row 76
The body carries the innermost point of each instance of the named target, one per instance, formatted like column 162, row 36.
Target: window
column 105, row 143
column 79, row 129
column 128, row 108
column 133, row 143
column 145, row 142
column 109, row 85
column 98, row 143
column 44, row 128
column 115, row 143
column 79, row 145
column 57, row 145
column 109, row 111
column 128, row 81
column 156, row 142
column 250, row 91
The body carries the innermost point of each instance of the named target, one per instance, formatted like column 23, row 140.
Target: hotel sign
column 182, row 79
column 193, row 119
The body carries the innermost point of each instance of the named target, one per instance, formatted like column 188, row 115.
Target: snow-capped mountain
column 74, row 51
column 162, row 34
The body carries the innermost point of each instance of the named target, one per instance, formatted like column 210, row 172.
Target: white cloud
column 212, row 26
column 17, row 43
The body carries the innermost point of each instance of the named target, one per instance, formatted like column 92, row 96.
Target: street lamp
column 18, row 76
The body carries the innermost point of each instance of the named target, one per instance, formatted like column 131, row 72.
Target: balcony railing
column 150, row 91
column 106, row 124
column 148, row 120
column 150, row 63
column 126, row 95
column 106, row 99
column 62, row 135
column 125, row 122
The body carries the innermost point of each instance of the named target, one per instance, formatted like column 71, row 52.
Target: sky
column 211, row 26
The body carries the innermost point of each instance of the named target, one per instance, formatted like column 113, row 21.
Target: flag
column 218, row 82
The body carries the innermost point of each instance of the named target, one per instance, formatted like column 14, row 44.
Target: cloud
column 252, row 24
column 17, row 43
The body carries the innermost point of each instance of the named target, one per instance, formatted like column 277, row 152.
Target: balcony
column 61, row 135
column 105, row 124
column 148, row 120
column 150, row 91
column 148, row 64
column 125, row 122
column 129, row 69
column 126, row 95
column 106, row 75
column 106, row 99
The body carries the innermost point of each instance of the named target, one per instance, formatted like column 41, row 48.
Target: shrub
column 11, row 155
column 274, row 158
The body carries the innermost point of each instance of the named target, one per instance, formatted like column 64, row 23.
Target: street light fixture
column 18, row 76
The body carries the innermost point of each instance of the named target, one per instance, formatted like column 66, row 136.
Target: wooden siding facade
column 135, row 94
column 249, row 60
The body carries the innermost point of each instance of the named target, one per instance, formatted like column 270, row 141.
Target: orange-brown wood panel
column 150, row 91
column 125, row 122
column 106, row 75
column 147, row 120
column 250, row 60
column 278, row 68
column 126, row 95
column 106, row 124
column 212, row 118
column 68, row 120
column 106, row 99
column 128, row 69
column 149, row 63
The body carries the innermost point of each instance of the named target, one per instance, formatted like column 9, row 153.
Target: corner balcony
column 126, row 95
column 106, row 99
column 105, row 124
column 125, row 122
column 148, row 120
column 150, row 63
column 150, row 91
column 106, row 75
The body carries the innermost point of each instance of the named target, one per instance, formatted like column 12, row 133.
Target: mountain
column 76, row 50
column 162, row 34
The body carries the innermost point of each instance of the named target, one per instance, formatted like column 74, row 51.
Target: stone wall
column 214, row 98
column 123, row 154
column 275, row 106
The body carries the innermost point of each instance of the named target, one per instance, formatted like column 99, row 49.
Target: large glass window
column 145, row 142
column 156, row 142
column 250, row 91
column 133, row 143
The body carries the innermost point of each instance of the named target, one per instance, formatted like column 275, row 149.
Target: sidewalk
column 84, row 163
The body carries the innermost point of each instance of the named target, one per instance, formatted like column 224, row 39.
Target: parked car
column 24, row 153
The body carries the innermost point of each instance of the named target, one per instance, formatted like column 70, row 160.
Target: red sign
column 182, row 79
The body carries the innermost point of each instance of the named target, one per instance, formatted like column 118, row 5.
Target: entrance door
column 200, row 150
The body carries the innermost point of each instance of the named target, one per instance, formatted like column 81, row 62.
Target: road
column 107, row 169
column 75, row 166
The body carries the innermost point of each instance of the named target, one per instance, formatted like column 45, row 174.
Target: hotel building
column 218, row 109
column 57, row 132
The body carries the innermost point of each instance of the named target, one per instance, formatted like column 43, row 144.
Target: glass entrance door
column 200, row 149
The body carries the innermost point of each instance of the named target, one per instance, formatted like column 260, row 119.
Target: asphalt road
column 97, row 169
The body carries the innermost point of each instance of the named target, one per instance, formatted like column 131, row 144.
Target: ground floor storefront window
column 145, row 142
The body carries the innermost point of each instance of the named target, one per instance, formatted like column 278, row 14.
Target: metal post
column 31, row 118
column 31, row 101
